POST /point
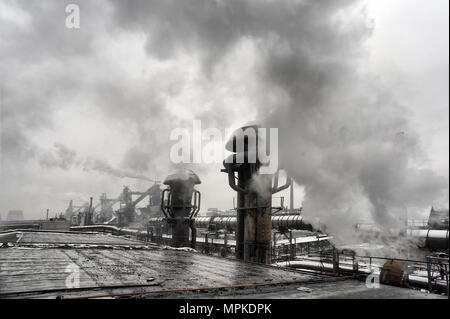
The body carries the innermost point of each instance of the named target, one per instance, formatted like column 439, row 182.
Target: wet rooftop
column 34, row 264
column 36, row 238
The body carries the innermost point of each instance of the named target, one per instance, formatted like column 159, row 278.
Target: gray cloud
column 343, row 135
column 63, row 158
column 104, row 167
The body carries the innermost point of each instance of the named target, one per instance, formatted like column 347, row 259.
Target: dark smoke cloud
column 342, row 135
column 212, row 28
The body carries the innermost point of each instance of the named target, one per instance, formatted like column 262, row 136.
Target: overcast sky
column 79, row 107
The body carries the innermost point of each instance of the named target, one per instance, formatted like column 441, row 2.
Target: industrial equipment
column 77, row 214
column 230, row 223
column 432, row 239
column 254, row 198
column 106, row 208
column 180, row 205
column 126, row 213
column 438, row 219
column 394, row 272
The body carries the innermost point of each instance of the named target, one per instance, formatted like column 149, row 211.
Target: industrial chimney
column 254, row 195
column 180, row 204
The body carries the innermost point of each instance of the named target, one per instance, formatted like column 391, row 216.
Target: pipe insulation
column 282, row 221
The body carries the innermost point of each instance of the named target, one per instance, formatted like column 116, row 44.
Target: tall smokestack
column 254, row 224
column 88, row 220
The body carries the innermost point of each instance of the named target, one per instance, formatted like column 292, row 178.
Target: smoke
column 65, row 158
column 104, row 167
column 343, row 136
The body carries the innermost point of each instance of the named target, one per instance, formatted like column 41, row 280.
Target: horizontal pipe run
column 436, row 239
column 230, row 222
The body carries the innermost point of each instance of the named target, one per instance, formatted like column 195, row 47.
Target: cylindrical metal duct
column 216, row 222
column 290, row 222
column 293, row 222
column 434, row 239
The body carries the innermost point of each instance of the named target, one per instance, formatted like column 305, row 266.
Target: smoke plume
column 343, row 136
column 104, row 167
column 65, row 158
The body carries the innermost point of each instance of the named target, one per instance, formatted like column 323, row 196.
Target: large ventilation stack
column 254, row 195
column 180, row 204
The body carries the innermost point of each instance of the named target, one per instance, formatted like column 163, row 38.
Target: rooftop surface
column 37, row 265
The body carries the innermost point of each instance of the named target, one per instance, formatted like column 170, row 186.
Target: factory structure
column 153, row 243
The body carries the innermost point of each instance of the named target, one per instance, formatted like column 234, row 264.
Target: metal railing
column 431, row 274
